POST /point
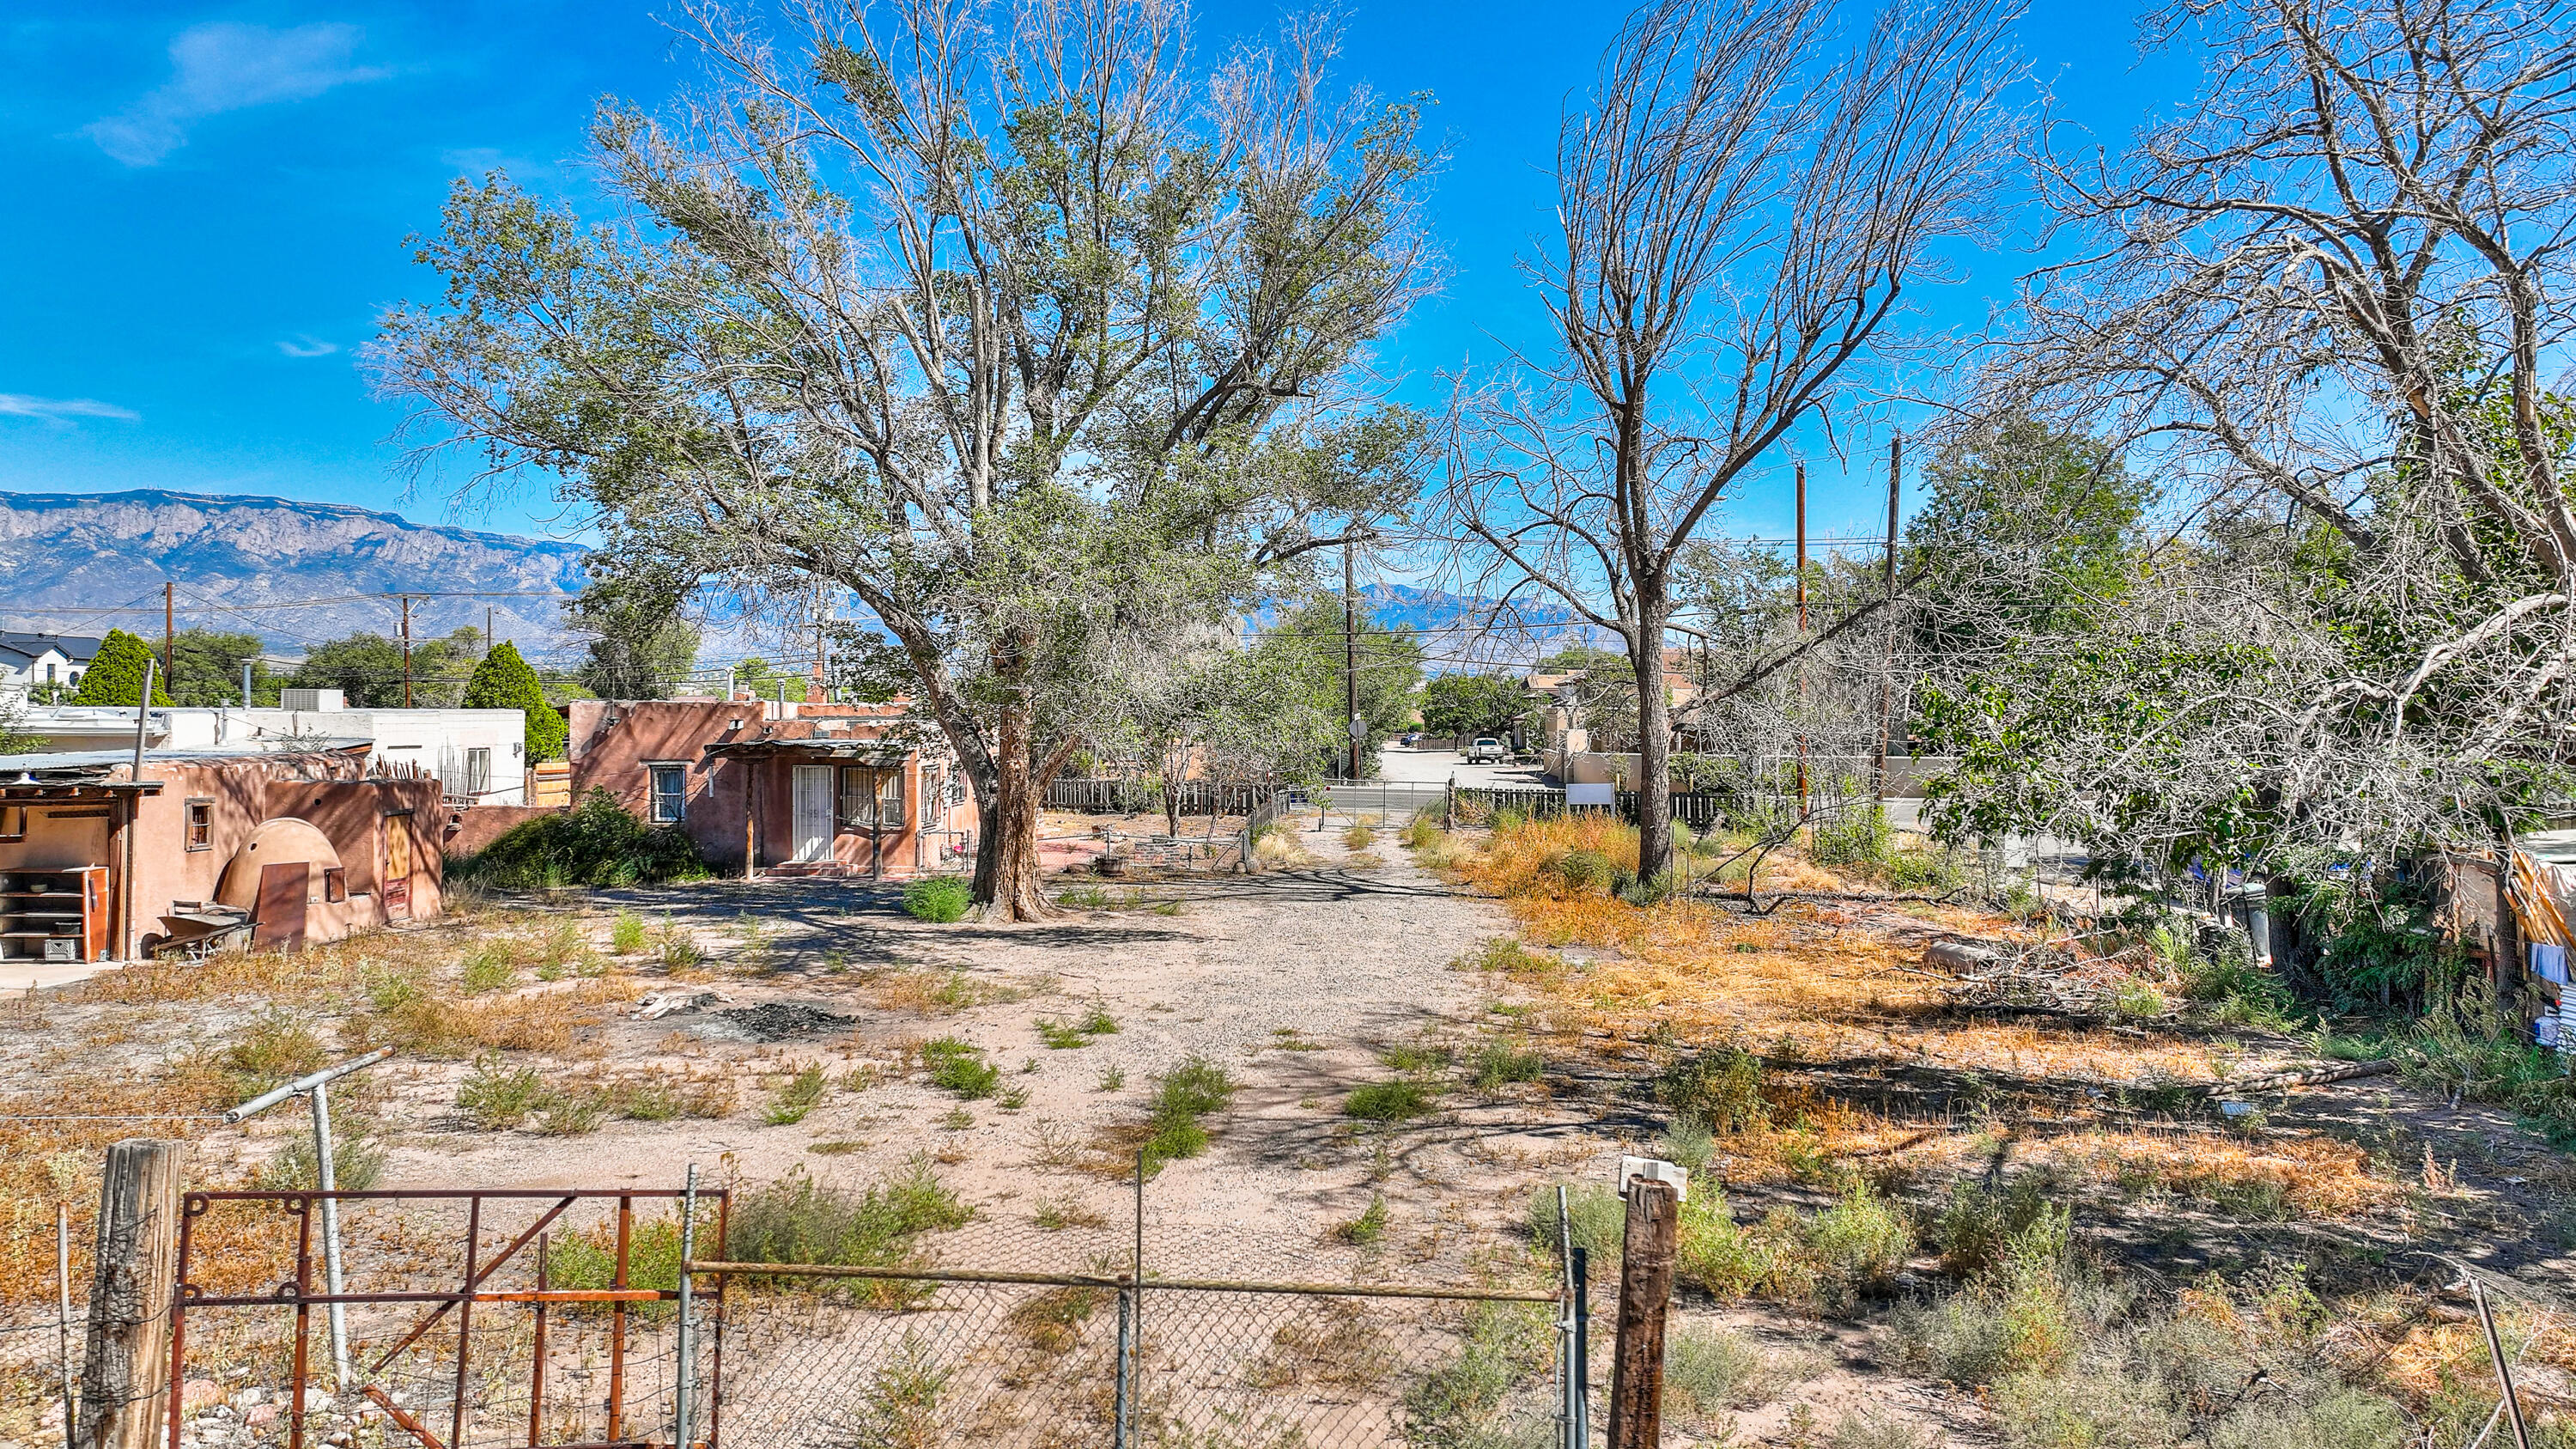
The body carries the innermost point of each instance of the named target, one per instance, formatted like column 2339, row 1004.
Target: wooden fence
column 1702, row 810
column 1142, row 797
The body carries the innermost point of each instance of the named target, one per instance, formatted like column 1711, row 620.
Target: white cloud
column 306, row 345
column 226, row 67
column 62, row 409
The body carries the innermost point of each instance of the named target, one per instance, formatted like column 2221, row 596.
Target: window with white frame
column 670, row 793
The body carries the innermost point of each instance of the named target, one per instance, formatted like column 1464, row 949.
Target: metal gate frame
column 298, row 1292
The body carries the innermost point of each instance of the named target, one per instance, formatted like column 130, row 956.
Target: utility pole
column 1887, row 588
column 1350, row 655
column 169, row 632
column 406, row 647
column 487, row 631
column 1802, row 638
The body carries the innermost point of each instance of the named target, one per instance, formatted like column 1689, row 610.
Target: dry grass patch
column 417, row 1015
column 2272, row 1179
column 926, row 992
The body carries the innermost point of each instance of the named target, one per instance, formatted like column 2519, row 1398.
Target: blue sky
column 214, row 202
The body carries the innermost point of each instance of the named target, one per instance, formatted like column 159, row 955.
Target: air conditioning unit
column 313, row 699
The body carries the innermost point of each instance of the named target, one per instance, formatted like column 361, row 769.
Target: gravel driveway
column 1292, row 981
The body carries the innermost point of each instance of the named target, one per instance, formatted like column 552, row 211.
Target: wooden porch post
column 750, row 819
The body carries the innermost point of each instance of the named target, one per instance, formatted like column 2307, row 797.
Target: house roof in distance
column 17, row 647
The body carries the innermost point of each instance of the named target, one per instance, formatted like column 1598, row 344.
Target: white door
column 813, row 812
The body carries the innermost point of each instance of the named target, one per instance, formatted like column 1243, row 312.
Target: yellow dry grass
column 104, row 1078
column 2308, row 1176
column 1817, row 983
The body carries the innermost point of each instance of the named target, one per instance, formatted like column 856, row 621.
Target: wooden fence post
column 126, row 1373
column 1645, row 1290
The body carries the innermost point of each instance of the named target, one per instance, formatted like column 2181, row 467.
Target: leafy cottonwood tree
column 1305, row 649
column 368, row 668
column 208, row 665
column 1467, row 705
column 641, row 646
column 1023, row 329
column 1744, row 201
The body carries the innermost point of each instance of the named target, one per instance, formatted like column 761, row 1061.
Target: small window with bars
column 201, row 825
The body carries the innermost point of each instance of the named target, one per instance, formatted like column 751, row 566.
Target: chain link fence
column 1010, row 1334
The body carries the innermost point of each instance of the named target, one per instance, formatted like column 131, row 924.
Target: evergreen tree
column 504, row 681
column 115, row 676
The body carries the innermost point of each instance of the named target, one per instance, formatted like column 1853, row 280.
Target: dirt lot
column 1419, row 1045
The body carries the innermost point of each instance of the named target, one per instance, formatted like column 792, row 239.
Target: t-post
column 318, row 1087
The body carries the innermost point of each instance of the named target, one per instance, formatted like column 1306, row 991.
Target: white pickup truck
column 1486, row 750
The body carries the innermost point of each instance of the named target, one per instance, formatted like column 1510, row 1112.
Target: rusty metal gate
column 462, row 1318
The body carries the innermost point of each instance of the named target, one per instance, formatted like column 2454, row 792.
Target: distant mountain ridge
column 239, row 560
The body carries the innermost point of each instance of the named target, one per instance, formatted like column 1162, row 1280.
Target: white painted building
column 31, row 660
column 479, row 754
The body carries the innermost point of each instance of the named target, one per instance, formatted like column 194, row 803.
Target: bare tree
column 1031, row 335
column 2332, row 294
column 1744, row 200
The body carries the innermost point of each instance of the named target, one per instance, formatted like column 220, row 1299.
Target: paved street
column 1397, row 765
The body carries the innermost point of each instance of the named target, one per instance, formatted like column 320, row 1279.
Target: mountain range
column 298, row 573
column 294, row 573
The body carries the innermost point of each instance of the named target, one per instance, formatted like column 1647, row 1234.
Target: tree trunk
column 1654, row 749
column 1006, row 865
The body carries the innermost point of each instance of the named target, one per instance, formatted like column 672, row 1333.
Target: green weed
column 797, row 1097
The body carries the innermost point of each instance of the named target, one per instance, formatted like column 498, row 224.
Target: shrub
column 1359, row 837
column 1870, row 1430
column 939, row 899
column 1858, row 835
column 276, row 1049
column 1096, row 1021
column 1688, row 1142
column 799, row 1220
column 1394, row 1101
column 1419, row 832
column 491, row 966
column 1193, row 1090
column 626, row 937
column 1977, row 1225
column 1921, row 869
column 596, row 843
column 1733, row 1262
column 959, row 1066
column 1584, row 872
column 571, row 1114
column 1461, row 1405
column 496, row 1097
column 797, row 1097
column 1709, row 1370
column 1644, row 891
column 1862, row 1240
column 1368, row 1227
column 1500, row 1063
column 1721, row 1087
column 1596, row 1219
column 357, row 1163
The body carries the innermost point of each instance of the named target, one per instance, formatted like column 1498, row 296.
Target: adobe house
column 308, row 846
column 804, row 789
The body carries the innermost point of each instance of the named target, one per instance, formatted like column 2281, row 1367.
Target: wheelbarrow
column 198, row 929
